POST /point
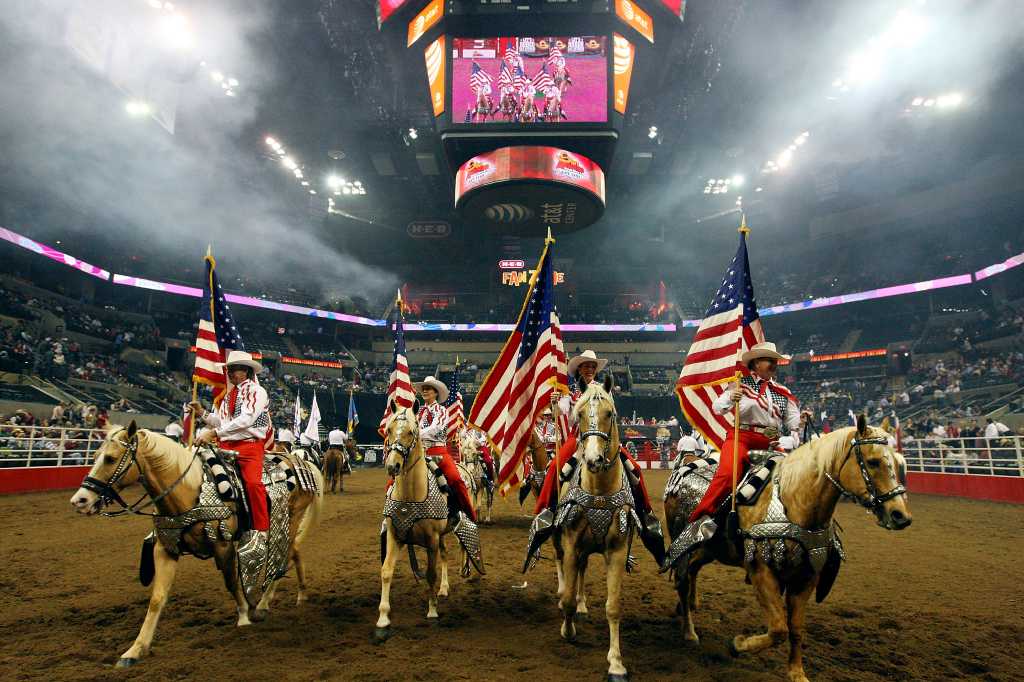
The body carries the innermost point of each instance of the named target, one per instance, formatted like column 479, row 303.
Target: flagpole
column 744, row 230
column 195, row 386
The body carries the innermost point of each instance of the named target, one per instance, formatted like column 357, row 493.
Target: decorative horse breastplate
column 404, row 514
column 767, row 539
column 209, row 510
column 600, row 510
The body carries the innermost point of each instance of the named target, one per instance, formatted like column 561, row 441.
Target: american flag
column 730, row 327
column 505, row 78
column 218, row 335
column 399, row 385
column 478, row 78
column 512, row 56
column 518, row 387
column 542, row 81
column 456, row 411
column 555, row 57
column 520, row 78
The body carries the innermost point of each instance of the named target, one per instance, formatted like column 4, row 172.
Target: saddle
column 691, row 481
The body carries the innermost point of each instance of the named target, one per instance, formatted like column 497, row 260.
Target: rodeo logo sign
column 428, row 229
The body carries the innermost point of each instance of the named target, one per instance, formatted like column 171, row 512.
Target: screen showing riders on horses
column 533, row 79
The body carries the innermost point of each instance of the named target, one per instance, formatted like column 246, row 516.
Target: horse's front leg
column 387, row 572
column 443, row 590
column 615, row 563
column 766, row 586
column 567, row 595
column 165, row 567
column 433, row 575
column 581, row 589
column 796, row 608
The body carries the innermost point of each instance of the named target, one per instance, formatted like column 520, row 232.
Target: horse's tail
column 311, row 517
column 330, row 464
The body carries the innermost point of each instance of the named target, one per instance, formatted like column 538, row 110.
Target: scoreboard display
column 529, row 80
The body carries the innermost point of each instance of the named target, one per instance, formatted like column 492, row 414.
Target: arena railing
column 971, row 456
column 39, row 446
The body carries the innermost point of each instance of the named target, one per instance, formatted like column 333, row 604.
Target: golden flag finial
column 549, row 239
column 209, row 250
column 743, row 224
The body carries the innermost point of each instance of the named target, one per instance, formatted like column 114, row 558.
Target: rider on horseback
column 767, row 409
column 240, row 424
column 433, row 421
column 585, row 368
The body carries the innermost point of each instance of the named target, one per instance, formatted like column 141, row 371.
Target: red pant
column 549, row 493
column 721, row 484
column 250, row 464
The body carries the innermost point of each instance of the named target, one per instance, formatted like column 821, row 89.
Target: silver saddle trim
column 210, row 509
column 600, row 510
column 404, row 514
column 468, row 534
column 767, row 539
column 263, row 558
column 694, row 535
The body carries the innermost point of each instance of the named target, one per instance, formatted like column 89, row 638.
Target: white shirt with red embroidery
column 433, row 420
column 249, row 420
column 547, row 433
column 764, row 403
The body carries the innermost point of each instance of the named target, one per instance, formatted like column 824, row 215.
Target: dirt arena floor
column 940, row 601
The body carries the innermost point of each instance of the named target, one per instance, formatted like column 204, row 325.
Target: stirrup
column 653, row 538
column 694, row 535
column 541, row 529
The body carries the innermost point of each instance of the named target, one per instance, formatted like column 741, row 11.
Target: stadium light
column 953, row 99
column 136, row 107
column 304, row 183
column 229, row 93
column 333, row 181
column 233, row 82
column 289, row 163
column 785, row 158
column 272, row 142
column 175, row 32
column 930, row 102
column 738, row 180
column 312, row 191
column 217, row 76
column 413, row 133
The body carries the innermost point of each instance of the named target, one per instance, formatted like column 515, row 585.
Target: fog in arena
column 60, row 138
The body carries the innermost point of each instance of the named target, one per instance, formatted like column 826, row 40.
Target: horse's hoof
column 733, row 648
column 126, row 662
column 381, row 635
column 613, row 677
column 259, row 615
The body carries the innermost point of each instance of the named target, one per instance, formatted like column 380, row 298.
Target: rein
column 107, row 493
column 874, row 500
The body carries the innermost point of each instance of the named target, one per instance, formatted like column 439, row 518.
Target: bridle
column 874, row 500
column 606, row 436
column 403, row 450
column 129, row 458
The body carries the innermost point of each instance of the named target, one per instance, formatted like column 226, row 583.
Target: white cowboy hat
column 240, row 357
column 285, row 436
column 586, row 356
column 762, row 350
column 437, row 385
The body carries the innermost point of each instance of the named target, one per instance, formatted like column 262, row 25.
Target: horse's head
column 116, row 466
column 468, row 446
column 402, row 435
column 868, row 474
column 599, row 426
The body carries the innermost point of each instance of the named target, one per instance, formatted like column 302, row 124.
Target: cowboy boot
column 695, row 534
column 652, row 537
column 541, row 529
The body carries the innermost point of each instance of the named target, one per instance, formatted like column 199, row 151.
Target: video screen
column 385, row 8
column 539, row 79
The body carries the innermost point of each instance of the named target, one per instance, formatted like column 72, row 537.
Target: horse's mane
column 164, row 454
column 812, row 459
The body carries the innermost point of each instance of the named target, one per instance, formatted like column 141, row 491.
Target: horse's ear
column 392, row 407
column 416, row 406
column 608, row 383
column 132, row 429
column 862, row 425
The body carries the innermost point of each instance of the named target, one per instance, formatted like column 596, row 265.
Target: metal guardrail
column 973, row 456
column 37, row 446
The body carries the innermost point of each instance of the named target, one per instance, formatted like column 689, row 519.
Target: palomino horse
column 853, row 462
column 416, row 513
column 595, row 516
column 171, row 476
column 472, row 471
column 335, row 461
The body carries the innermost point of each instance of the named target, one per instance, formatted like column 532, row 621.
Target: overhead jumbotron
column 529, row 100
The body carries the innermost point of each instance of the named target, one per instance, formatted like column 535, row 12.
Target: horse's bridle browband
column 606, row 436
column 105, row 489
column 874, row 500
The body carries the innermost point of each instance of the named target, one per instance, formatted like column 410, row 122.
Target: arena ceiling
column 739, row 86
